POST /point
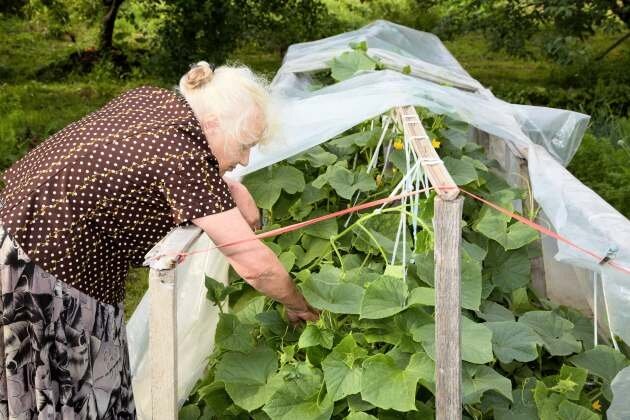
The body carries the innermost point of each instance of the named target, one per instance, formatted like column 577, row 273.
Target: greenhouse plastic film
column 197, row 319
column 307, row 117
column 620, row 407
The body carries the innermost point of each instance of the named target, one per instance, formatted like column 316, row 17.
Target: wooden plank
column 161, row 256
column 539, row 283
column 517, row 175
column 429, row 159
column 163, row 343
column 448, row 367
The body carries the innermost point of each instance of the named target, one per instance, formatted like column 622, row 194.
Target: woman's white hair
column 232, row 94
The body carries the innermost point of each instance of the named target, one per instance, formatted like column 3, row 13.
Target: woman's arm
column 245, row 202
column 255, row 262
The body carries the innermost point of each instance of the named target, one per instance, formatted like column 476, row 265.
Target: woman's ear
column 209, row 124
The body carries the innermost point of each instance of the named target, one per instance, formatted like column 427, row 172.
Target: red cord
column 545, row 231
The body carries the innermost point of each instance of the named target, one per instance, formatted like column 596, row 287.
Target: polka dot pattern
column 95, row 197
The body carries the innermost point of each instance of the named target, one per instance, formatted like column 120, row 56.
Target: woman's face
column 230, row 151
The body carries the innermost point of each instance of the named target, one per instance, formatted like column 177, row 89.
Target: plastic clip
column 610, row 254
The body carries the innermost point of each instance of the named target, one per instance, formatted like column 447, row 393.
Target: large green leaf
column 547, row 402
column 554, row 331
column 342, row 180
column 519, row 234
column 189, row 412
column 383, row 229
column 555, row 406
column 422, row 296
column 495, row 225
column 324, row 229
column 570, row 411
column 509, row 270
column 523, row 406
column 470, row 276
column 352, row 142
column 350, row 63
column 313, row 335
column 298, row 210
column 326, row 290
column 298, row 396
column 513, row 341
column 232, row 335
column 247, row 376
column 345, row 182
column 384, row 297
column 471, row 281
column 315, row 248
column 604, row 362
column 572, row 379
column 267, row 184
column 477, row 379
column 492, row 312
column 358, row 415
column 387, row 385
column 476, row 341
column 247, row 315
column 462, row 171
column 316, row 157
column 491, row 222
column 342, row 370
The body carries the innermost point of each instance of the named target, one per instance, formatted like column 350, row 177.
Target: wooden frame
column 447, row 218
column 163, row 319
column 447, row 226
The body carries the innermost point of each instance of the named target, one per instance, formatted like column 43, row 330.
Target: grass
column 33, row 108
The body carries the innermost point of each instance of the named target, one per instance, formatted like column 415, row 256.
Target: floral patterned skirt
column 63, row 354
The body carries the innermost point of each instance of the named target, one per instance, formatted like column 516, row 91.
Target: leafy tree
column 211, row 29
column 199, row 29
column 109, row 21
column 276, row 24
column 564, row 24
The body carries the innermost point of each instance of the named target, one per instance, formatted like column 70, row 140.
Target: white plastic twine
column 610, row 328
column 595, row 310
column 373, row 159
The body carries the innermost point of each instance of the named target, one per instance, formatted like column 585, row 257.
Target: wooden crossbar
column 429, row 159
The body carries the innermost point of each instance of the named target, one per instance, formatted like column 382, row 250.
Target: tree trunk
column 109, row 20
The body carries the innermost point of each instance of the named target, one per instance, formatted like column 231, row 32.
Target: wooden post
column 163, row 344
column 163, row 319
column 447, row 227
column 447, row 219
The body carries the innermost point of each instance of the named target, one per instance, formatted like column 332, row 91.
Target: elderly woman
column 90, row 201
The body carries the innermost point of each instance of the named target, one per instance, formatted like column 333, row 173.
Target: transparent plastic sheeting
column 620, row 408
column 196, row 325
column 306, row 118
column 579, row 214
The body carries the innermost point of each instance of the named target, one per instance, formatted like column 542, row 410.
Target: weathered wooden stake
column 447, row 227
column 163, row 343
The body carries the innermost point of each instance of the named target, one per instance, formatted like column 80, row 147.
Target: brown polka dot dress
column 76, row 212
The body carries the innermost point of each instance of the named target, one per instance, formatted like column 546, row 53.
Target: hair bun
column 199, row 74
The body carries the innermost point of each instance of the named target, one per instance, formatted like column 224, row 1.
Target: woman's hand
column 299, row 310
column 295, row 317
column 245, row 203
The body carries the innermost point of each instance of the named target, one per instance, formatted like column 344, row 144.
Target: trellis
column 448, row 208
